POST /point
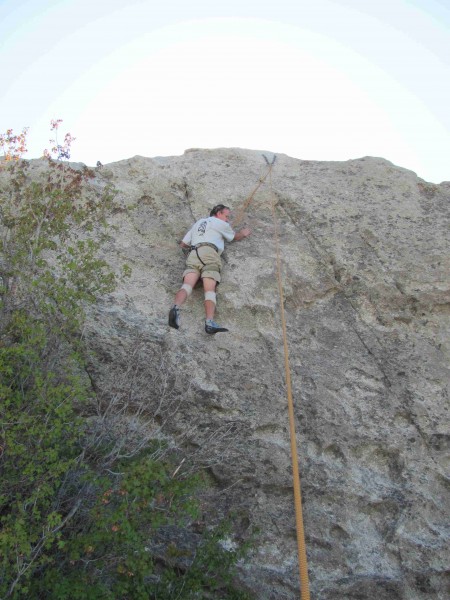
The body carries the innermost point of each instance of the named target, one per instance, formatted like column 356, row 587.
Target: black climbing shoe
column 211, row 327
column 174, row 317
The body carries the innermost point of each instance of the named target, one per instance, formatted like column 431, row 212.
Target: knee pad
column 187, row 288
column 210, row 296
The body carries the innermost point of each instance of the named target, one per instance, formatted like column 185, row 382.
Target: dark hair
column 217, row 209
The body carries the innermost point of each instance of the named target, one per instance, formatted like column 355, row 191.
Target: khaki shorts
column 212, row 260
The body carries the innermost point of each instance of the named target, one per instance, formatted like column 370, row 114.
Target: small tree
column 51, row 229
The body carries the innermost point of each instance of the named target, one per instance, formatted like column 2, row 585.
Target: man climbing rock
column 205, row 241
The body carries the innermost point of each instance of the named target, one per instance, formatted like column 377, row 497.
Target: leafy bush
column 68, row 531
column 40, row 449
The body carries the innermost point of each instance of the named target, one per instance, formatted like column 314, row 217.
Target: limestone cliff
column 366, row 273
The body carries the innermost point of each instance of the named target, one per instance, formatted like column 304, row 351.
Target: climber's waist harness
column 204, row 244
column 197, row 246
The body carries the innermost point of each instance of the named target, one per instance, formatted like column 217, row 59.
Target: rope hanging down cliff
column 302, row 558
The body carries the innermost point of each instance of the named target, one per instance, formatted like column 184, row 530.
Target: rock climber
column 205, row 242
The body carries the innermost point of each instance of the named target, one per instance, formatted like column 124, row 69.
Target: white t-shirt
column 211, row 230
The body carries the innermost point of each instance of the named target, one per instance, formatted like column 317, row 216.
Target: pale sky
column 313, row 79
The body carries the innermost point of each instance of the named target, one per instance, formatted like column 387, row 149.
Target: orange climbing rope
column 243, row 209
column 301, row 545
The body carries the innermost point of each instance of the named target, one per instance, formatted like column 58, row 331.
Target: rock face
column 364, row 249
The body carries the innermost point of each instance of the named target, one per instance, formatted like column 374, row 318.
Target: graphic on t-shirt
column 202, row 228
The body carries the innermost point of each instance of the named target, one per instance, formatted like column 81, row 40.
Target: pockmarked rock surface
column 365, row 261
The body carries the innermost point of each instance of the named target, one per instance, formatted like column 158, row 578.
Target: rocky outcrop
column 366, row 273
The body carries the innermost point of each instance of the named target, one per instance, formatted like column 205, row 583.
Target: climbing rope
column 238, row 218
column 302, row 560
column 301, row 545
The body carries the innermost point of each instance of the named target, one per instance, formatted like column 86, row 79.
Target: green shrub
column 70, row 531
column 40, row 443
